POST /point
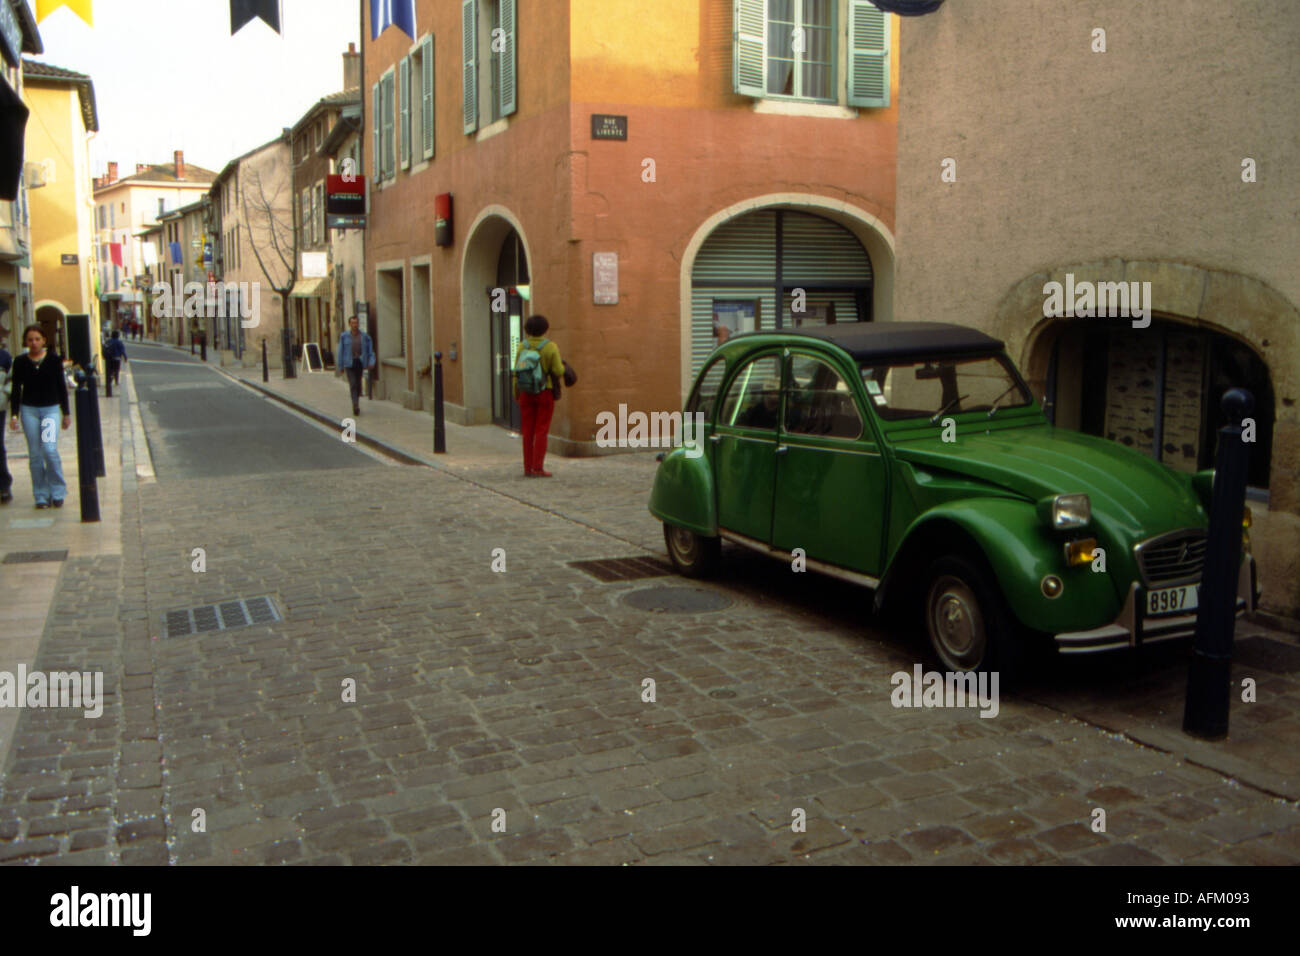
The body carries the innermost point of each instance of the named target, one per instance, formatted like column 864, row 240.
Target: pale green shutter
column 469, row 57
column 404, row 87
column 509, row 61
column 390, row 164
column 376, row 155
column 750, row 48
column 868, row 72
column 426, row 97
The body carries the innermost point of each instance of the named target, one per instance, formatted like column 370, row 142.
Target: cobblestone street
column 479, row 691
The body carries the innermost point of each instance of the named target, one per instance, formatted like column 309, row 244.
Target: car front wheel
column 693, row 555
column 969, row 626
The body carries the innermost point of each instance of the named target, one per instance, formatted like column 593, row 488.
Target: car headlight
column 1062, row 512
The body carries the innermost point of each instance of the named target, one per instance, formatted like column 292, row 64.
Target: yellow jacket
column 552, row 363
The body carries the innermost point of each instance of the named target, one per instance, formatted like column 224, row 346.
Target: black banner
column 242, row 11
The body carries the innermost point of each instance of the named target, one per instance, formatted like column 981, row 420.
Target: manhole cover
column 670, row 600
column 623, row 569
column 221, row 616
column 34, row 557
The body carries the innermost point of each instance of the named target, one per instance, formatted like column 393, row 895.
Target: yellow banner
column 80, row 7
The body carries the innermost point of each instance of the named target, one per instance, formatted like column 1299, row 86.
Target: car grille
column 1172, row 558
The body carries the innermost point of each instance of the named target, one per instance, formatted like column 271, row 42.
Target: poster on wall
column 733, row 316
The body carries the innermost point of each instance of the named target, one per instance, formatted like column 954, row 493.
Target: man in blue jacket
column 115, row 355
column 356, row 354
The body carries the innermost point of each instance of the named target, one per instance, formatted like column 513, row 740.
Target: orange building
column 640, row 180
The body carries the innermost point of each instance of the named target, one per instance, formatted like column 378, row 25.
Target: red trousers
column 535, row 413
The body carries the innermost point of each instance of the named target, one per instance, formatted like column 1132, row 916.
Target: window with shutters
column 489, row 35
column 421, row 111
column 817, row 51
column 404, row 109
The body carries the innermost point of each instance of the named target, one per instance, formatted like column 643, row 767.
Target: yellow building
column 63, row 115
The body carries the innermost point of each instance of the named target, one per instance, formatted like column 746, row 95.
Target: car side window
column 818, row 401
column 754, row 397
column 706, row 392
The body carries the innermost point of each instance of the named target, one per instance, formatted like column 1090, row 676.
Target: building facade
column 314, row 312
column 639, row 180
column 254, row 255
column 18, row 35
column 62, row 104
column 1110, row 154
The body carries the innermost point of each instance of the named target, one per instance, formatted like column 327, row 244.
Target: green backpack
column 529, row 374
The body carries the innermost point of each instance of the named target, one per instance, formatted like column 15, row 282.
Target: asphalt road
column 202, row 425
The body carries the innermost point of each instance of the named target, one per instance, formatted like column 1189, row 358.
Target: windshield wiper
column 1011, row 387
column 947, row 405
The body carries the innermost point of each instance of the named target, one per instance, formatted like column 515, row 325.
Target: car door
column 744, row 447
column 830, row 488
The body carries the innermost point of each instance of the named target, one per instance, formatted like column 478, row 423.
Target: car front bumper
column 1133, row 627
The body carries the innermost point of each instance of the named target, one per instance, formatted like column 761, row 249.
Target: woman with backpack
column 539, row 370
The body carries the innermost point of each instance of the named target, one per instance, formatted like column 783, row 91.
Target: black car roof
column 889, row 340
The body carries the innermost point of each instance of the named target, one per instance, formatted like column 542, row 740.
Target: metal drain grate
column 222, row 616
column 623, row 569
column 34, row 557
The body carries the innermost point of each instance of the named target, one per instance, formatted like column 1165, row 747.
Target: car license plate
column 1171, row 600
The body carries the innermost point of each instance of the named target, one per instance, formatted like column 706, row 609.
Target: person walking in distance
column 115, row 355
column 6, row 479
column 538, row 372
column 40, row 392
column 356, row 354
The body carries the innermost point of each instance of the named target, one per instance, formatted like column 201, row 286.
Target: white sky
column 168, row 74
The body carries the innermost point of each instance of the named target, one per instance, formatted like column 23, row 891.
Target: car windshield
column 943, row 386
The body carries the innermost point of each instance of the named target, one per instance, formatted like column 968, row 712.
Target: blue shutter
column 469, row 59
column 508, row 61
column 404, row 91
column 868, row 72
column 426, row 97
column 376, row 115
column 750, row 48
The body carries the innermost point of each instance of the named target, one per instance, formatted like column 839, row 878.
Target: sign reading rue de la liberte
column 606, row 126
column 69, row 259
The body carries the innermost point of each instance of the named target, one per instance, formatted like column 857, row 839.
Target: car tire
column 693, row 555
column 967, row 620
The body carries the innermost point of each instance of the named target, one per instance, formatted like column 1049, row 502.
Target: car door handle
column 782, row 449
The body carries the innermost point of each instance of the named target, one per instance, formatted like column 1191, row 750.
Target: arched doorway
column 506, row 315
column 1156, row 390
column 51, row 320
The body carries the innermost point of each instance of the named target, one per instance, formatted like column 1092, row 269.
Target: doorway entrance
column 506, row 318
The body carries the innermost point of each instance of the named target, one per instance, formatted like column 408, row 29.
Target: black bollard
column 97, row 429
column 1206, row 710
column 108, row 384
column 85, row 453
column 286, row 340
column 439, row 421
column 266, row 372
column 203, row 346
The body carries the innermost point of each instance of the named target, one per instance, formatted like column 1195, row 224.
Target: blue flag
column 177, row 260
column 392, row 13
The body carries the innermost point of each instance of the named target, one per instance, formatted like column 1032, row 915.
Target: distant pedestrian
column 538, row 373
column 115, row 355
column 40, row 392
column 6, row 479
column 356, row 354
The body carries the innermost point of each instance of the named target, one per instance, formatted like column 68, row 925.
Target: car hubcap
column 956, row 625
column 684, row 545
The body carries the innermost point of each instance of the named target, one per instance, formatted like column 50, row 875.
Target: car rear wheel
column 693, row 555
column 969, row 626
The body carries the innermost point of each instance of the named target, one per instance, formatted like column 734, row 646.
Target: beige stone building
column 1105, row 141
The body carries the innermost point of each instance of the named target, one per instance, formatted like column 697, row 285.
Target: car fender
column 1020, row 552
column 684, row 494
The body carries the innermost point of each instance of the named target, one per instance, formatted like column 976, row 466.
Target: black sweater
column 40, row 385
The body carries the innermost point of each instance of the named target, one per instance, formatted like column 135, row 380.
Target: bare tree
column 272, row 236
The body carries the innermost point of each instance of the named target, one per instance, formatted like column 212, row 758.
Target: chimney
column 179, row 158
column 352, row 68
column 112, row 172
column 141, row 168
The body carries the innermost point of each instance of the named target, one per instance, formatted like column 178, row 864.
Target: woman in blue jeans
column 40, row 393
